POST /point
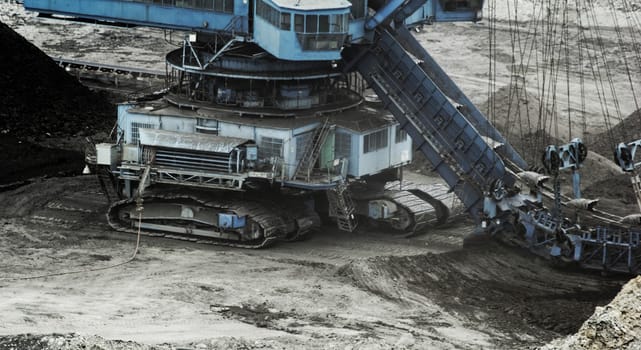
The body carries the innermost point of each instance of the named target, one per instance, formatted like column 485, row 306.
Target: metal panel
column 150, row 14
column 311, row 5
column 230, row 221
column 195, row 161
column 106, row 154
column 193, row 142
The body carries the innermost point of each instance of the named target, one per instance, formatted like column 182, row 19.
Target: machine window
column 135, row 130
column 453, row 5
column 358, row 9
column 270, row 147
column 312, row 24
column 267, row 13
column 299, row 23
column 323, row 24
column 342, row 145
column 226, row 6
column 401, row 135
column 229, row 6
column 285, row 21
column 339, row 23
column 375, row 141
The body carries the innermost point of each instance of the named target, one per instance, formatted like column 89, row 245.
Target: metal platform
column 108, row 68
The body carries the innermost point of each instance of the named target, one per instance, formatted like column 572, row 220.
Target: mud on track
column 363, row 289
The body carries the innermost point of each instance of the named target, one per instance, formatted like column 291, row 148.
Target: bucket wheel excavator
column 268, row 121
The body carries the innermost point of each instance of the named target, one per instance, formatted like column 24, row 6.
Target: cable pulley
column 551, row 160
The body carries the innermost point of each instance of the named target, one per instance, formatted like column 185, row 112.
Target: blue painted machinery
column 266, row 101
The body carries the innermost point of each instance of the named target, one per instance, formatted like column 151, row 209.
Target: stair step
column 342, row 207
column 312, row 152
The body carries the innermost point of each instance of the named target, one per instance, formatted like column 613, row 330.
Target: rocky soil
column 614, row 326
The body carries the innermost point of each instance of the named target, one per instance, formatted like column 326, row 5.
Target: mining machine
column 269, row 120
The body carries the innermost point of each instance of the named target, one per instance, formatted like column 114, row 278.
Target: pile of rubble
column 614, row 326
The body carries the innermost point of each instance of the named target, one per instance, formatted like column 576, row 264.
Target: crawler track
column 275, row 224
column 427, row 204
column 422, row 213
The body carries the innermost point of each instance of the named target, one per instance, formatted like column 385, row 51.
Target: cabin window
column 323, row 24
column 358, row 9
column 311, row 25
column 285, row 21
column 299, row 23
column 453, row 5
column 207, row 126
column 226, row 6
column 229, row 6
column 375, row 141
column 268, row 13
column 401, row 135
column 342, row 145
column 339, row 23
column 270, row 147
column 135, row 130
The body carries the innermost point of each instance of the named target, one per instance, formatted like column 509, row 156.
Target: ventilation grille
column 180, row 159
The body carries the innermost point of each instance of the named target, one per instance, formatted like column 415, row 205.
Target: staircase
column 107, row 184
column 234, row 25
column 342, row 208
column 312, row 152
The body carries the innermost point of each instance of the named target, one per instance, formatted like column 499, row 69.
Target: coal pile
column 39, row 99
column 42, row 106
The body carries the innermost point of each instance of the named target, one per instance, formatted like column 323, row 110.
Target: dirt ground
column 68, row 282
column 334, row 290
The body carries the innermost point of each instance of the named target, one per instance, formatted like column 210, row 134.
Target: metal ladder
column 107, row 184
column 342, row 207
column 463, row 182
column 312, row 152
